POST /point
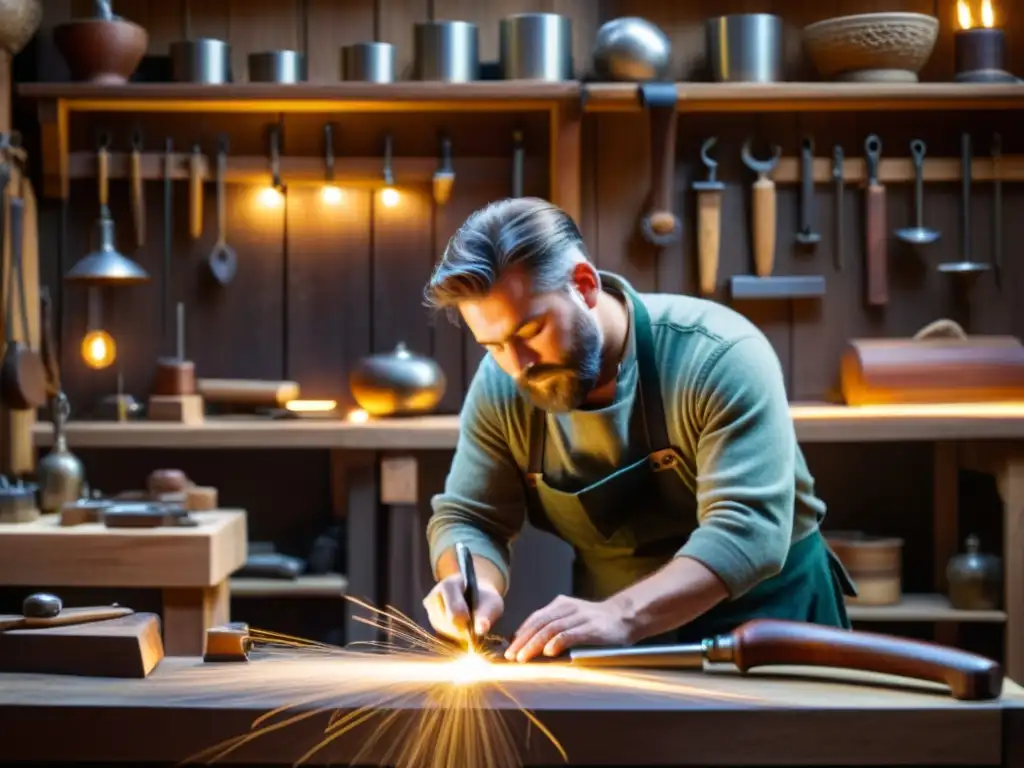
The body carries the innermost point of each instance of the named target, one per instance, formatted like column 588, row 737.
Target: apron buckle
column 663, row 459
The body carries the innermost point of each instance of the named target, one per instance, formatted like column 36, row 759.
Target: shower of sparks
column 430, row 701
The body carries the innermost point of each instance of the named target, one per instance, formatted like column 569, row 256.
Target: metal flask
column 60, row 474
column 397, row 383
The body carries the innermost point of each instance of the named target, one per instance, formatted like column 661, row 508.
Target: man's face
column 550, row 343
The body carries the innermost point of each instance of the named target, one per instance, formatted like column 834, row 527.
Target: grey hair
column 522, row 232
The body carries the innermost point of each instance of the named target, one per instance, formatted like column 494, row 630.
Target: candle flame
column 988, row 17
column 963, row 15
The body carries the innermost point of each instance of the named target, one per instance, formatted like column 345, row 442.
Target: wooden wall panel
column 331, row 25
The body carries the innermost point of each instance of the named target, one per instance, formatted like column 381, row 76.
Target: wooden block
column 398, row 480
column 29, row 515
column 200, row 498
column 185, row 409
column 92, row 555
column 126, row 647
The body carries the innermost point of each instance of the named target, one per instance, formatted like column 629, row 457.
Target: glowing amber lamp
column 389, row 197
column 979, row 51
column 311, row 406
column 331, row 194
column 358, row 416
column 271, row 197
column 98, row 349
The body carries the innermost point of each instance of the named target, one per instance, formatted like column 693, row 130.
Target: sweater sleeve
column 746, row 456
column 483, row 503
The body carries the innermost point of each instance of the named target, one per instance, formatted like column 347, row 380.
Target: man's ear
column 587, row 282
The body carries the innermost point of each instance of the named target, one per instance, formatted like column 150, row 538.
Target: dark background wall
column 317, row 288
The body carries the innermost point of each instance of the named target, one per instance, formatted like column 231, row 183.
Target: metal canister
column 536, row 46
column 205, row 60
column 368, row 62
column 277, row 67
column 447, row 51
column 745, row 48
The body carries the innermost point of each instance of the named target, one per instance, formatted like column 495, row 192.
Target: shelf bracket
column 660, row 225
column 53, row 140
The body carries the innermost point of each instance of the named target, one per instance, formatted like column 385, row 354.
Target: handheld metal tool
column 840, row 193
column 763, row 205
column 471, row 593
column 709, row 221
column 876, row 236
column 919, row 234
column 806, row 235
column 772, row 642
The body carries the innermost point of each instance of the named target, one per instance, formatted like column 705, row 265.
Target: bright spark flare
column 448, row 692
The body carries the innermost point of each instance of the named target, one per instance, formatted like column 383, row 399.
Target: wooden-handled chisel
column 877, row 268
column 771, row 642
column 763, row 205
column 709, row 222
column 138, row 204
column 195, row 193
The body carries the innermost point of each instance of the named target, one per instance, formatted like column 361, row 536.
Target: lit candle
column 979, row 51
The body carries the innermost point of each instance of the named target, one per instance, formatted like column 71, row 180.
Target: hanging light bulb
column 330, row 193
column 389, row 195
column 98, row 348
column 273, row 196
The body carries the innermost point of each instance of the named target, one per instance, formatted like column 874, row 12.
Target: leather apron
column 630, row 523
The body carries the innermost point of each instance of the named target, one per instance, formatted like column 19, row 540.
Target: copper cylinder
column 174, row 377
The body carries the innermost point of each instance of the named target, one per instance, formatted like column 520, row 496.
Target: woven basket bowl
column 872, row 47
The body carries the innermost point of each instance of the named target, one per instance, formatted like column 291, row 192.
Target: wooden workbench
column 778, row 717
column 190, row 566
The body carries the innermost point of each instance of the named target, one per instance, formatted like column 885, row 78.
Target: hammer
column 763, row 206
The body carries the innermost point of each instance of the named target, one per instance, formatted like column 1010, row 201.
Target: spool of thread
column 174, row 377
column 201, row 498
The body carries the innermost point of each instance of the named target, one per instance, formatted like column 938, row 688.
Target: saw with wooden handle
column 774, row 642
column 763, row 205
column 709, row 221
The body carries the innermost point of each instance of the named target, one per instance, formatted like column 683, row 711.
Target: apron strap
column 650, row 384
column 538, row 436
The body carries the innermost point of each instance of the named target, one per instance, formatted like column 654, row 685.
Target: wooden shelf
column 811, row 97
column 319, row 585
column 499, row 95
column 922, row 608
column 815, row 423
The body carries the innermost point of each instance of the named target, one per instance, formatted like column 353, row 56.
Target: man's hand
column 449, row 614
column 567, row 622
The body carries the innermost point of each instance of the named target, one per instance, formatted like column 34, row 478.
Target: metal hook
column 137, row 140
column 710, row 163
column 389, row 178
column 761, row 166
column 329, row 151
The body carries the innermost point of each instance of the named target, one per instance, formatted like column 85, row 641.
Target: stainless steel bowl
column 536, row 46
column 368, row 62
column 277, row 67
column 446, row 51
column 745, row 48
column 204, row 60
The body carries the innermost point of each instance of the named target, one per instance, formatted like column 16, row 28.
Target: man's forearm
column 486, row 571
column 673, row 596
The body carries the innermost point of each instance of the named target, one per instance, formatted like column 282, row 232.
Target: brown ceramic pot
column 101, row 51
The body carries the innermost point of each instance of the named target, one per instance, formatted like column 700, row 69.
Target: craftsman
column 651, row 432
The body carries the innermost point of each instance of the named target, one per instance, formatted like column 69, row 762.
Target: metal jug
column 60, row 474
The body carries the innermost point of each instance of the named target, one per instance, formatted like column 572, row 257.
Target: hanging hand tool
column 840, row 193
column 807, row 236
column 709, row 221
column 997, row 206
column 518, row 158
column 919, row 234
column 471, row 592
column 763, row 207
column 771, row 642
column 875, row 238
column 168, row 233
column 660, row 226
column 138, row 205
column 444, row 176
column 966, row 267
column 222, row 260
column 195, row 193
